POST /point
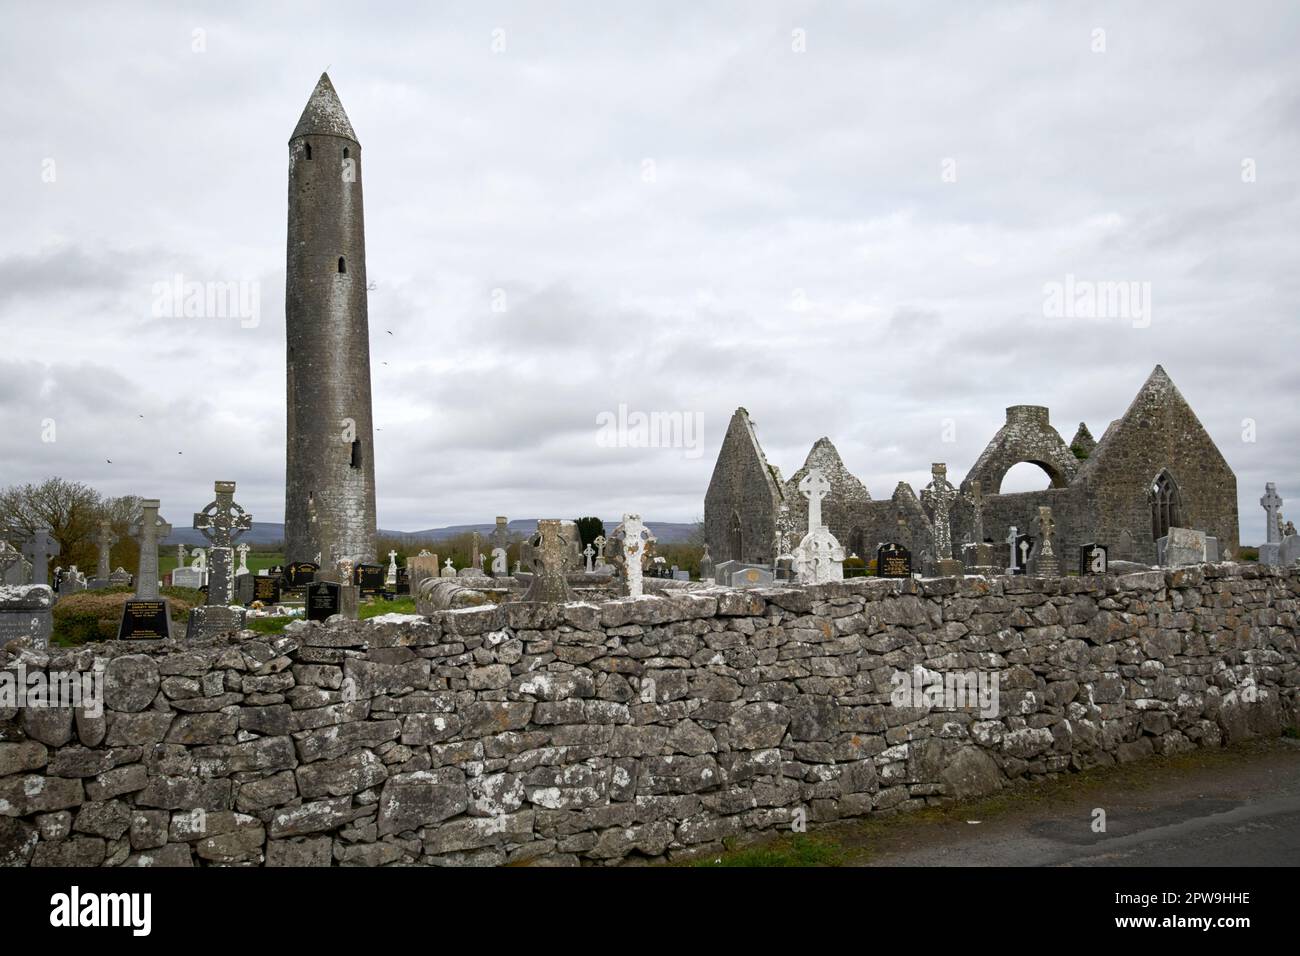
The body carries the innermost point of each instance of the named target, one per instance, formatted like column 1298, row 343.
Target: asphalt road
column 1231, row 808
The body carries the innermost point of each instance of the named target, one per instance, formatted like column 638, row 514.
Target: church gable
column 743, row 498
column 847, row 493
column 1158, row 467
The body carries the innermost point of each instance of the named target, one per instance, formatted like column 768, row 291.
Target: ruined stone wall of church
column 643, row 728
column 1070, row 514
column 1163, row 435
column 741, row 485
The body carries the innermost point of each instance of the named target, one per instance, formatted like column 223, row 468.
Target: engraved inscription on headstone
column 323, row 600
column 893, row 561
column 1093, row 559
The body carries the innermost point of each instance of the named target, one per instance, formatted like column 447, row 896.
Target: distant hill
column 270, row 532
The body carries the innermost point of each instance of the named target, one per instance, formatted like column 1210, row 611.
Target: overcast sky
column 841, row 216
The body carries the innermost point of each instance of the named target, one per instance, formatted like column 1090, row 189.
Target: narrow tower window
column 307, row 150
column 356, row 453
column 345, row 152
column 343, row 265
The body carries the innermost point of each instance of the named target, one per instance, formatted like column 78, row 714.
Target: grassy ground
column 857, row 842
column 257, row 560
column 372, row 608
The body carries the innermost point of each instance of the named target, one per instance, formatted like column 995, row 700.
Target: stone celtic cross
column 149, row 531
column 105, row 540
column 243, row 550
column 590, row 553
column 636, row 541
column 600, row 547
column 40, row 547
column 1272, row 505
column 976, row 499
column 814, row 487
column 1048, row 566
column 547, row 560
column 1011, row 541
column 221, row 522
column 939, row 494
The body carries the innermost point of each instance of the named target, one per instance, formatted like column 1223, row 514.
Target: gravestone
column 819, row 558
column 474, row 551
column 266, row 588
column 403, row 585
column 324, row 600
column 244, row 589
column 975, row 498
column 11, row 566
column 751, row 578
column 26, row 611
column 147, row 616
column 939, row 496
column 72, row 582
column 40, row 547
column 121, row 578
column 390, row 577
column 1093, row 559
column 421, row 566
column 187, row 578
column 589, row 553
column 1182, row 547
column 104, row 541
column 369, row 579
column 633, row 541
column 1021, row 545
column 1045, row 562
column 549, row 556
column 299, row 574
column 893, row 561
column 706, row 563
column 243, row 550
column 221, row 522
column 447, row 570
column 1270, row 552
column 500, row 537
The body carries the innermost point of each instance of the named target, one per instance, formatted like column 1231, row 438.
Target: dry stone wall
column 631, row 729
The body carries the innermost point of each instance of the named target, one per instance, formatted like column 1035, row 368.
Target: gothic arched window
column 1166, row 506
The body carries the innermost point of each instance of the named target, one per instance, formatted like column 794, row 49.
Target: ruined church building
column 1155, row 468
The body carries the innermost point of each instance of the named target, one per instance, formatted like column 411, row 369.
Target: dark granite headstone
column 369, row 578
column 266, row 588
column 145, row 620
column 323, row 600
column 1094, row 559
column 1024, row 548
column 893, row 561
column 300, row 574
column 403, row 585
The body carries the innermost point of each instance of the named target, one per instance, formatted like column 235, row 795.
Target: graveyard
column 802, row 666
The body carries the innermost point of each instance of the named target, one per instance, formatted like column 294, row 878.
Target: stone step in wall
column 589, row 733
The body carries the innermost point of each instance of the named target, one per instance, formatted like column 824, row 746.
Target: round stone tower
column 329, row 492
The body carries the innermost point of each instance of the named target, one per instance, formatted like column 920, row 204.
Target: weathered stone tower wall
column 329, row 506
